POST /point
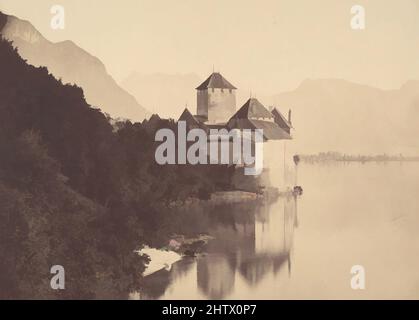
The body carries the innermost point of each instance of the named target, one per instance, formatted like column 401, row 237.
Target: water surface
column 349, row 214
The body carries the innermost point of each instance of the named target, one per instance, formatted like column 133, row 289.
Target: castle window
column 213, row 90
column 231, row 90
column 222, row 90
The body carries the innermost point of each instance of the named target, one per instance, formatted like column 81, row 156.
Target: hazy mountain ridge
column 72, row 64
column 334, row 114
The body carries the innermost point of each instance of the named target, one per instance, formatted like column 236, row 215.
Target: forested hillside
column 76, row 192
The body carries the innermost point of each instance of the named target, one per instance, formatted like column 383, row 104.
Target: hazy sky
column 264, row 45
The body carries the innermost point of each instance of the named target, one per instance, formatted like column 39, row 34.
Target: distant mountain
column 165, row 94
column 74, row 65
column 339, row 115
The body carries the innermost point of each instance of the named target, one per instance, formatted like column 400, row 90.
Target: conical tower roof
column 216, row 80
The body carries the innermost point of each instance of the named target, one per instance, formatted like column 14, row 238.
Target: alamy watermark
column 58, row 18
column 358, row 18
column 358, row 277
column 220, row 146
column 58, row 280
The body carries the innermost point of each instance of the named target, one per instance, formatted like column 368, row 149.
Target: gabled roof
column 252, row 115
column 188, row 117
column 190, row 120
column 216, row 80
column 252, row 109
column 280, row 119
column 271, row 131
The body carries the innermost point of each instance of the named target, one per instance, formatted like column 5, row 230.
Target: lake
column 305, row 247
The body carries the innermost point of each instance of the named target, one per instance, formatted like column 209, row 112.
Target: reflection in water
column 350, row 214
column 250, row 241
column 216, row 276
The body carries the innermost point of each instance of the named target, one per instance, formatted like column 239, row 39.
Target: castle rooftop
column 216, row 81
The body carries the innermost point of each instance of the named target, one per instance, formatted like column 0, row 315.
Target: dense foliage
column 74, row 191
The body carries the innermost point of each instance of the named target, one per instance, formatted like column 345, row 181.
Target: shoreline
column 180, row 246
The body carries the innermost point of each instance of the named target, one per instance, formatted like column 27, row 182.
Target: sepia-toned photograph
column 209, row 150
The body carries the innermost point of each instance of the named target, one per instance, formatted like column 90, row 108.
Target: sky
column 266, row 46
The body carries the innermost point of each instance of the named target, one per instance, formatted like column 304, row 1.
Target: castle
column 216, row 108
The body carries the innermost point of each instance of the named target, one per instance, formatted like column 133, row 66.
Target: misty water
column 304, row 248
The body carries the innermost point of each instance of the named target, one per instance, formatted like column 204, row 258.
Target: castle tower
column 216, row 99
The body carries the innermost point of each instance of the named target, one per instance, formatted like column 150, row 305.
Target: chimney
column 289, row 117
